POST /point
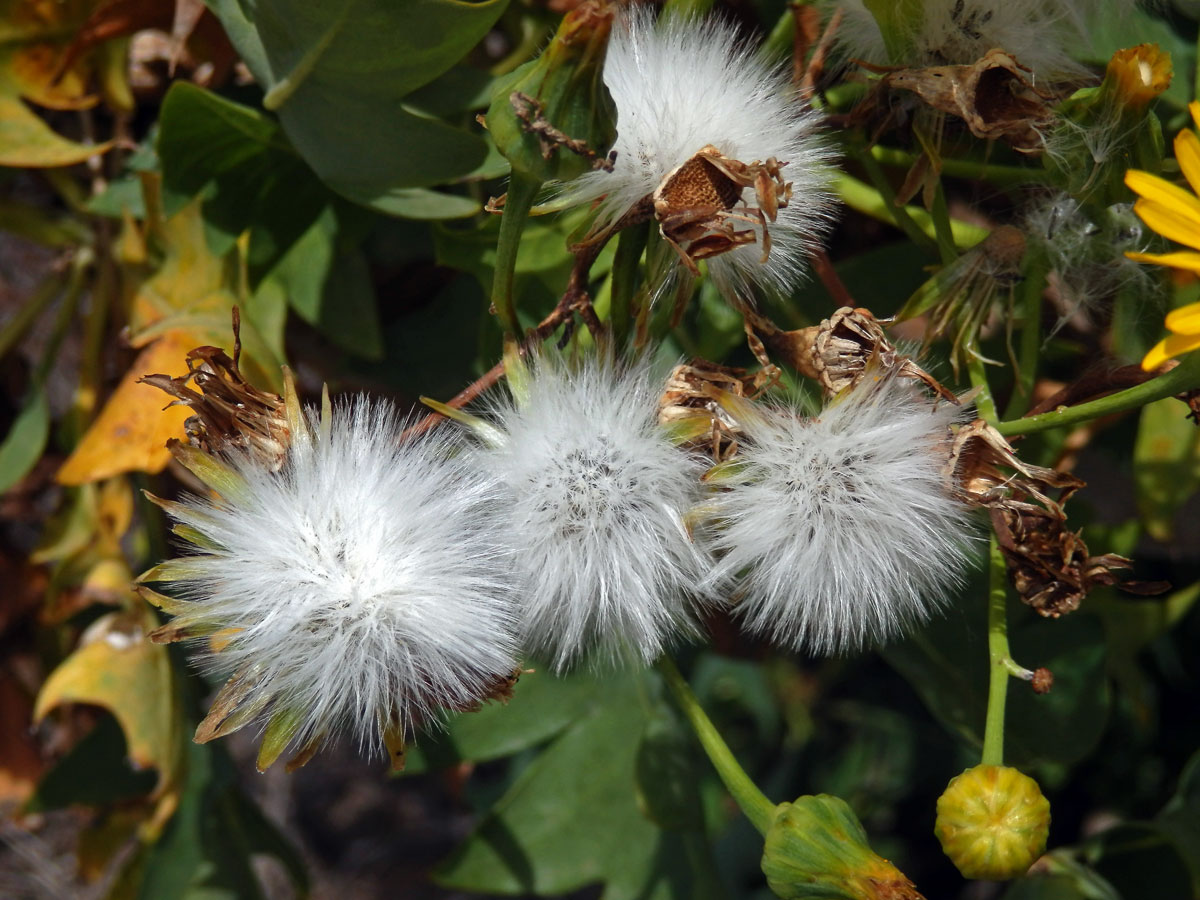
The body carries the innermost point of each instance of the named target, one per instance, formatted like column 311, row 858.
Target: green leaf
column 25, row 441
column 572, row 818
column 239, row 161
column 542, row 705
column 95, row 772
column 337, row 74
column 947, row 664
column 1166, row 465
column 328, row 285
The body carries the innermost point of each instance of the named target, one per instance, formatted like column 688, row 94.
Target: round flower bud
column 992, row 822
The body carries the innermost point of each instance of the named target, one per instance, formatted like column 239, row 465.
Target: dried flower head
column 713, row 147
column 958, row 32
column 595, row 512
column 838, row 531
column 358, row 589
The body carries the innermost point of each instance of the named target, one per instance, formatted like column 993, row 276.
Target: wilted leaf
column 132, row 430
column 25, row 441
column 118, row 668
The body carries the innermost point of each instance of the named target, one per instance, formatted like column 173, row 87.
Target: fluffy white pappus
column 838, row 532
column 364, row 579
column 595, row 512
column 681, row 84
column 959, row 32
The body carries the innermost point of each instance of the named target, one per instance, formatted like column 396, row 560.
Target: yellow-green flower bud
column 816, row 848
column 992, row 822
column 553, row 118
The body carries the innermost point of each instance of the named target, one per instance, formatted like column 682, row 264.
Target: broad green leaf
column 239, row 161
column 95, row 772
column 327, row 283
column 1166, row 465
column 543, row 704
column 947, row 664
column 25, row 441
column 572, row 818
column 337, row 75
column 118, row 668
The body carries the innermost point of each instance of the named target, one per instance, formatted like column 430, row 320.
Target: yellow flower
column 1175, row 214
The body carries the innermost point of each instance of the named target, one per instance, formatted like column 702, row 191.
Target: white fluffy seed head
column 838, row 532
column 680, row 84
column 959, row 32
column 595, row 510
column 364, row 578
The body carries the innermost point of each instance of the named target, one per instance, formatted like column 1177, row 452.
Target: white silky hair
column 365, row 579
column 682, row 83
column 597, row 494
column 959, row 32
column 838, row 532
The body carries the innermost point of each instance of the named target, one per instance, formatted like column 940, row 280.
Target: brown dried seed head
column 693, row 394
column 1042, row 681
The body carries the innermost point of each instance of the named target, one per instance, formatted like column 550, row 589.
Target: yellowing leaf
column 117, row 668
column 26, row 141
column 131, row 432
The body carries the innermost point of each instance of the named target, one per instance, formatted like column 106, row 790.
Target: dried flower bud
column 992, row 821
column 816, row 848
column 690, row 406
column 836, row 353
column 976, row 474
column 553, row 118
column 231, row 414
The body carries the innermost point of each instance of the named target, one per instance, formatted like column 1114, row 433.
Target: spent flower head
column 354, row 590
column 711, row 144
column 597, row 496
column 839, row 531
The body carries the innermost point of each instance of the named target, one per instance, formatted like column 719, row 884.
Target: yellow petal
column 1180, row 259
column 1194, row 109
column 1187, row 151
column 1172, row 222
column 1172, row 346
column 1159, row 191
column 1185, row 320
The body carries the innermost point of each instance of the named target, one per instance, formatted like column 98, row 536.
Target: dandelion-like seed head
column 838, row 531
column 712, row 144
column 359, row 589
column 595, row 512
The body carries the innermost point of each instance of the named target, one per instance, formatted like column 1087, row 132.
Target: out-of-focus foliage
column 319, row 167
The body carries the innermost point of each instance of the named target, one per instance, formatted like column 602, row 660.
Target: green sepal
column 280, row 730
column 723, row 472
column 161, row 601
column 229, row 710
column 689, row 428
column 214, row 473
column 516, row 372
column 170, row 570
column 486, row 432
column 817, row 848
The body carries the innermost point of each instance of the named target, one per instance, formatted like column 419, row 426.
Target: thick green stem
column 521, row 192
column 965, row 168
column 631, row 243
column 998, row 656
column 1184, row 377
column 758, row 809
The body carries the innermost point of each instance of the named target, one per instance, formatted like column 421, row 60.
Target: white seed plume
column 959, row 32
column 837, row 532
column 364, row 579
column 681, row 84
column 595, row 513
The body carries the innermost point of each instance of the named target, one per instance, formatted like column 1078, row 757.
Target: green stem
column 999, row 659
column 871, row 202
column 984, row 404
column 521, row 192
column 1184, row 377
column 778, row 43
column 758, row 809
column 14, row 329
column 966, row 168
column 631, row 243
column 942, row 228
column 898, row 213
column 1031, row 332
